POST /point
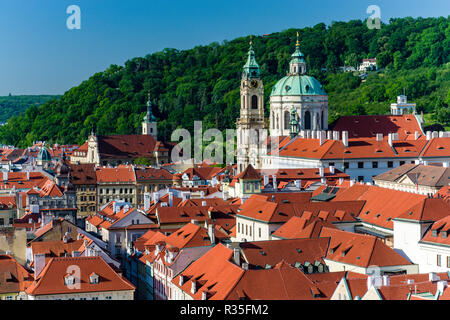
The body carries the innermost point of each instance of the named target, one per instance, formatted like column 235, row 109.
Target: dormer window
column 93, row 278
column 69, row 280
column 434, row 233
column 444, row 234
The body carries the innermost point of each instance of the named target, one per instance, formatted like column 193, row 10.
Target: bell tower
column 251, row 119
column 149, row 125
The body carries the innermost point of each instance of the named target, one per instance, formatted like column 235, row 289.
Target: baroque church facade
column 297, row 100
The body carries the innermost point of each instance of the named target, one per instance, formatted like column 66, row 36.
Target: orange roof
column 212, row 273
column 19, row 180
column 361, row 148
column 259, row 207
column 368, row 126
column 360, row 250
column 13, row 277
column 106, row 218
column 51, row 279
column 50, row 189
column 170, row 215
column 381, row 204
column 56, row 248
column 281, row 283
column 292, row 251
column 152, row 174
column 437, row 147
column 297, row 227
column 427, row 210
column 444, row 193
column 123, row 174
column 204, row 172
column 438, row 233
column 191, row 235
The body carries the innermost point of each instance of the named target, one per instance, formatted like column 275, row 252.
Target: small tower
column 149, row 125
column 251, row 119
column 293, row 124
column 297, row 65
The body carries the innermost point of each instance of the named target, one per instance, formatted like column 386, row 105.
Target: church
column 361, row 146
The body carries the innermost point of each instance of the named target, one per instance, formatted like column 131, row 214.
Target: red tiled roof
column 297, row 227
column 281, row 283
column 126, row 146
column 143, row 174
column 262, row 253
column 122, row 173
column 444, row 193
column 437, row 147
column 360, row 250
column 212, row 273
column 427, row 210
column 13, row 277
column 51, row 279
column 381, row 204
column 368, row 126
column 19, row 180
column 83, row 174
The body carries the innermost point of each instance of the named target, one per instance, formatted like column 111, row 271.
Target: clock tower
column 251, row 121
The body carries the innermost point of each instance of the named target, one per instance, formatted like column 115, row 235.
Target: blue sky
column 39, row 55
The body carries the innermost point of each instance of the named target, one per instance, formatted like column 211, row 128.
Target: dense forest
column 203, row 83
column 15, row 105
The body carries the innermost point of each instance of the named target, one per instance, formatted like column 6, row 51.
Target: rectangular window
column 438, row 260
column 374, row 164
column 246, row 229
column 346, row 165
column 402, row 163
column 260, row 232
column 448, row 262
column 360, row 178
column 361, row 165
column 390, row 164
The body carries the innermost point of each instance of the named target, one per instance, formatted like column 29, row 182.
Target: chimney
column 193, row 221
column 432, row 276
column 345, row 138
column 441, row 134
column 323, row 181
column 386, row 281
column 266, row 180
column 352, row 183
column 5, row 175
column 428, row 135
column 212, row 236
column 193, row 287
column 341, row 181
column 39, row 264
column 65, row 239
column 441, row 285
column 146, row 201
column 416, row 135
column 170, row 199
column 28, row 175
column 181, row 281
column 237, row 256
column 425, row 163
column 322, row 137
column 332, row 170
column 203, row 295
column 390, row 140
column 275, row 186
column 245, row 266
column 336, row 135
column 308, row 134
column 435, row 134
column 379, row 137
column 204, row 203
column 321, row 171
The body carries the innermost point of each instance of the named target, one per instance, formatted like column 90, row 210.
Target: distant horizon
column 41, row 56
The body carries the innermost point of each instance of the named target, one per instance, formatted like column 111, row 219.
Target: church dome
column 297, row 85
column 44, row 155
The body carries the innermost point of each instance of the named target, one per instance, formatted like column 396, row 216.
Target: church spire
column 149, row 117
column 298, row 64
column 251, row 68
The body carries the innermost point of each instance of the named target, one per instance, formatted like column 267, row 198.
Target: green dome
column 44, row 155
column 297, row 85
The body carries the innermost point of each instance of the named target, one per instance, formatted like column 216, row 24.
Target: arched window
column 307, row 120
column 286, row 120
column 254, row 102
column 273, row 121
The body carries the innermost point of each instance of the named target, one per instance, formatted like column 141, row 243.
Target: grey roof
column 431, row 175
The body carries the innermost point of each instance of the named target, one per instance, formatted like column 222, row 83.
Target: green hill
column 15, row 105
column 203, row 83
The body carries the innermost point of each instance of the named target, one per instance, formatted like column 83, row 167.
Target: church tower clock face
column 254, row 84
